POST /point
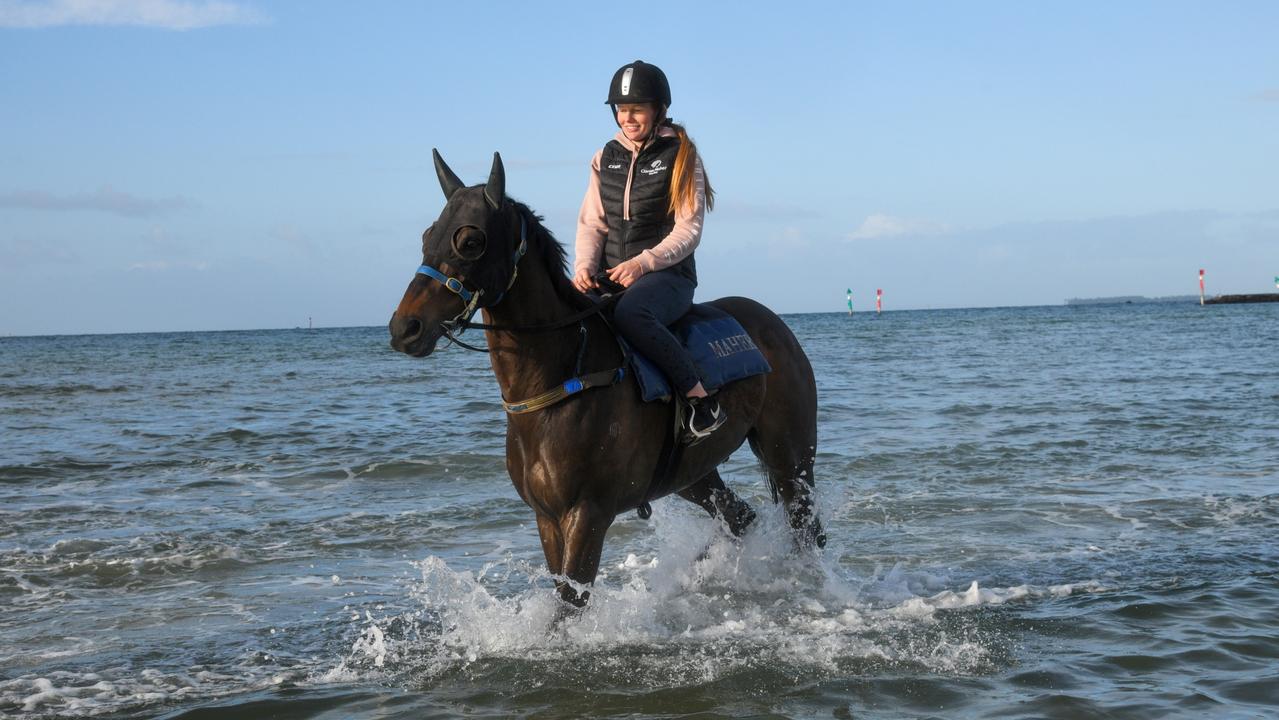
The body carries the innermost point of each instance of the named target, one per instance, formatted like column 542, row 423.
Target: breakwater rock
column 1231, row 299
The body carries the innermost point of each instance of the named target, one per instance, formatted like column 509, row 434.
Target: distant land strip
column 1133, row 300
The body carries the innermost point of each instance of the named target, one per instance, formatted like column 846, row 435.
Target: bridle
column 472, row 298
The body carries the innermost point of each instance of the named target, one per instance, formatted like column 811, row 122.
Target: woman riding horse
column 642, row 215
column 590, row 449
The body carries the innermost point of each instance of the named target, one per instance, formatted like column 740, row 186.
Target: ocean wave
column 63, row 389
column 235, row 434
column 95, row 563
column 967, row 410
column 64, row 469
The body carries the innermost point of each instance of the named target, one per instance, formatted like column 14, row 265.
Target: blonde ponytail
column 684, row 175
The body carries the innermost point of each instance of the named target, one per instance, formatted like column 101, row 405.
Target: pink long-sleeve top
column 592, row 227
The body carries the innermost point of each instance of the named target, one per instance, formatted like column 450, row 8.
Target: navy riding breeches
column 642, row 315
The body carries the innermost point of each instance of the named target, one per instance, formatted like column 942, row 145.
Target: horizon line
column 1107, row 300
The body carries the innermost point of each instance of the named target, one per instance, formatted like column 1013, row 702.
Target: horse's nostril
column 404, row 330
column 412, row 328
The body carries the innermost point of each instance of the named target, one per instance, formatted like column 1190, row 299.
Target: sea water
column 1032, row 512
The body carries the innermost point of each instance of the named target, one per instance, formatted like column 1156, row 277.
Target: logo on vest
column 654, row 167
column 731, row 345
column 616, row 166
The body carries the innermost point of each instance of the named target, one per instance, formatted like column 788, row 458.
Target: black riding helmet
column 639, row 82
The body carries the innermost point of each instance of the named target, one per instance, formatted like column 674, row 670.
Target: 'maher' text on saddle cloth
column 719, row 345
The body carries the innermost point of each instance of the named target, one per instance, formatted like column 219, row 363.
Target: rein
column 606, row 301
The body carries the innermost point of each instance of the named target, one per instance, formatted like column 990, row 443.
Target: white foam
column 69, row 694
column 1118, row 515
column 177, row 561
column 1229, row 511
column 700, row 602
column 976, row 596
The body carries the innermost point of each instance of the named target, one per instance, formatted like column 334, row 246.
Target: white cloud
column 883, row 226
column 105, row 199
column 164, row 14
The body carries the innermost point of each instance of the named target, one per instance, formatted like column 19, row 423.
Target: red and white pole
column 879, row 300
column 1201, row 286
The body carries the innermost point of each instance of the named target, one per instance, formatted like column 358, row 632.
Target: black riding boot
column 705, row 416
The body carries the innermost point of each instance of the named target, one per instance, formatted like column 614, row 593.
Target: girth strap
column 569, row 387
column 579, row 382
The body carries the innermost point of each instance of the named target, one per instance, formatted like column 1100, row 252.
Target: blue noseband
column 449, row 282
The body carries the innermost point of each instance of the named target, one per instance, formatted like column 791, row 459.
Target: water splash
column 700, row 607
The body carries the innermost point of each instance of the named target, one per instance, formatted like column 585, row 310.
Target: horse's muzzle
column 411, row 336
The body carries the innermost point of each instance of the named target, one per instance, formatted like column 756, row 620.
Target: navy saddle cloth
column 719, row 346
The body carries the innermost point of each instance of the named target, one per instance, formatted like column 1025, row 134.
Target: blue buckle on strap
column 451, row 283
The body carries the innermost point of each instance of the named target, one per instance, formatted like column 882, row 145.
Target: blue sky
column 193, row 165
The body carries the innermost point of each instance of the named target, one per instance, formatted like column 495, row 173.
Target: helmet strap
column 658, row 122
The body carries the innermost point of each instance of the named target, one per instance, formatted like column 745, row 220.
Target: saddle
column 719, row 346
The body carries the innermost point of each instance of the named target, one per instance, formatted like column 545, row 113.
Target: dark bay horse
column 581, row 462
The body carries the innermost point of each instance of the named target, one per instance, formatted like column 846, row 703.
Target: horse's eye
column 469, row 242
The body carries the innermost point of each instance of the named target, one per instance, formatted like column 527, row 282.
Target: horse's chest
column 556, row 471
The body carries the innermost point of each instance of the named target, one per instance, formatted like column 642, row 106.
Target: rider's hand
column 584, row 281
column 626, row 273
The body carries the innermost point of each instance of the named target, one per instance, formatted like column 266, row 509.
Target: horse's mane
column 550, row 252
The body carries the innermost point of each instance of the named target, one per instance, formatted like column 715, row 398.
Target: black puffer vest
column 650, row 218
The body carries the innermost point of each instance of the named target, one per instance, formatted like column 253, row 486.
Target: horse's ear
column 495, row 190
column 449, row 181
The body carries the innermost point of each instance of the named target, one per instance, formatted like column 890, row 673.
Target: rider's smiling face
column 636, row 120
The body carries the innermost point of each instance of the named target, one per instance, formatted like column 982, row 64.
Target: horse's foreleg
column 552, row 543
column 583, row 529
column 719, row 500
column 553, row 548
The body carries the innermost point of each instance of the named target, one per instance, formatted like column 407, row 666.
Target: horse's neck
column 529, row 363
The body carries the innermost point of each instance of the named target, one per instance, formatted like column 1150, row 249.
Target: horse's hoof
column 810, row 534
column 567, row 610
column 814, row 536
column 571, row 601
column 740, row 520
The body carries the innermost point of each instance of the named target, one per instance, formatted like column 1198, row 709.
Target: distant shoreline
column 1133, row 300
